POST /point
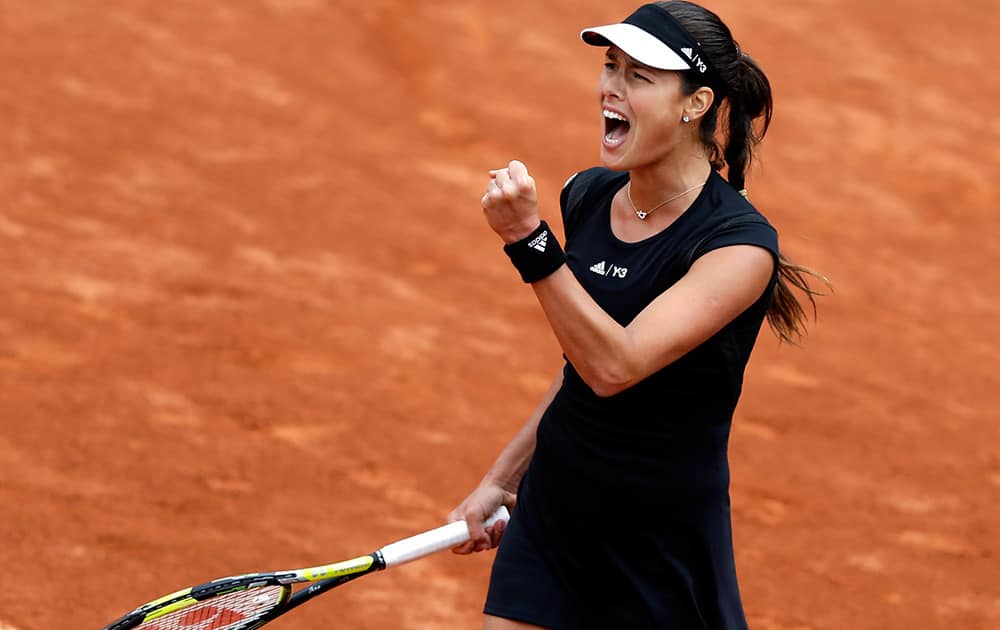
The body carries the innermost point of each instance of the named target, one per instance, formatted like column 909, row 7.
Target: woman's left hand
column 511, row 203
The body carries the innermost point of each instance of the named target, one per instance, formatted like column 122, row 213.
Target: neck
column 650, row 185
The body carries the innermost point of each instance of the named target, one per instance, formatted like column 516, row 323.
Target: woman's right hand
column 475, row 509
column 511, row 202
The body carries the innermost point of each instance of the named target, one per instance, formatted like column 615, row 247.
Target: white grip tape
column 444, row 537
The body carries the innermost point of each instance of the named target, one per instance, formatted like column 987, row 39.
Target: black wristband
column 537, row 255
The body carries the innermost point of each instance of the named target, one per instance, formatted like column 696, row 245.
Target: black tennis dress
column 623, row 518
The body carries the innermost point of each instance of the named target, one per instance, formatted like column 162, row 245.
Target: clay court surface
column 252, row 317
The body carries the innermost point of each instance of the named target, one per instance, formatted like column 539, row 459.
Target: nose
column 610, row 85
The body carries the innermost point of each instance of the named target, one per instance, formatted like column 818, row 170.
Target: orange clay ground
column 252, row 317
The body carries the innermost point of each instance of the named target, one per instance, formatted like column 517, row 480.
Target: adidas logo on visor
column 687, row 51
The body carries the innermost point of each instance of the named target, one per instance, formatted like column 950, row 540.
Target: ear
column 699, row 102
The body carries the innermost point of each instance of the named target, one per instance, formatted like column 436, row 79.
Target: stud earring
column 685, row 118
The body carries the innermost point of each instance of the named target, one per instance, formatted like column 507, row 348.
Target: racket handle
column 444, row 537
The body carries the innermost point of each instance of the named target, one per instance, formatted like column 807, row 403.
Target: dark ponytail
column 749, row 99
column 743, row 104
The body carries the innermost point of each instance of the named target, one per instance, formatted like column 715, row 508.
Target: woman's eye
column 640, row 77
column 610, row 67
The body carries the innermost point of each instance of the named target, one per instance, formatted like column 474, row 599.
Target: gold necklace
column 642, row 214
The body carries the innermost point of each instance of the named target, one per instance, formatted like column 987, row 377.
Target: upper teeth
column 615, row 115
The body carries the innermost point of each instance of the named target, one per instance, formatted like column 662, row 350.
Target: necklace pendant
column 642, row 215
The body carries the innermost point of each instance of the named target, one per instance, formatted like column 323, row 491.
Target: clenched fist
column 511, row 202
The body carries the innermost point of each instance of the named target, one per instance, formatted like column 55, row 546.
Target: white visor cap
column 637, row 44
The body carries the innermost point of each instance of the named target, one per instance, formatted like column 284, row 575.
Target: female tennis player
column 620, row 476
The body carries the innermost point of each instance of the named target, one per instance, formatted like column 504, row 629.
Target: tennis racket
column 245, row 602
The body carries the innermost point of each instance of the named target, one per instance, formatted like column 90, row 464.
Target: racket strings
column 232, row 611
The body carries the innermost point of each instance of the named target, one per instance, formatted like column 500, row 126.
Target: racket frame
column 323, row 577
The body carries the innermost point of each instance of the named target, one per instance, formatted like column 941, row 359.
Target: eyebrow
column 629, row 61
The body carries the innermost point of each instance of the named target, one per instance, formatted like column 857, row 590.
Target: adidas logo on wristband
column 540, row 241
column 537, row 255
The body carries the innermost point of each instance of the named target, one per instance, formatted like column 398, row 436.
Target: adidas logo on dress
column 609, row 270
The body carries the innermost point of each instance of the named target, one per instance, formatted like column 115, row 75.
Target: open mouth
column 616, row 127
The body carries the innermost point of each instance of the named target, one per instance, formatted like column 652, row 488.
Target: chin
column 614, row 164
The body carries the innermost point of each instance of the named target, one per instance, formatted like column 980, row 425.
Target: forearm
column 513, row 461
column 600, row 349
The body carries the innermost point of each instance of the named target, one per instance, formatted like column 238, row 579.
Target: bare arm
column 499, row 485
column 608, row 356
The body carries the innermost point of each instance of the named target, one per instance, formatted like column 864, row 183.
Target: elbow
column 607, row 381
column 611, row 372
column 607, row 390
